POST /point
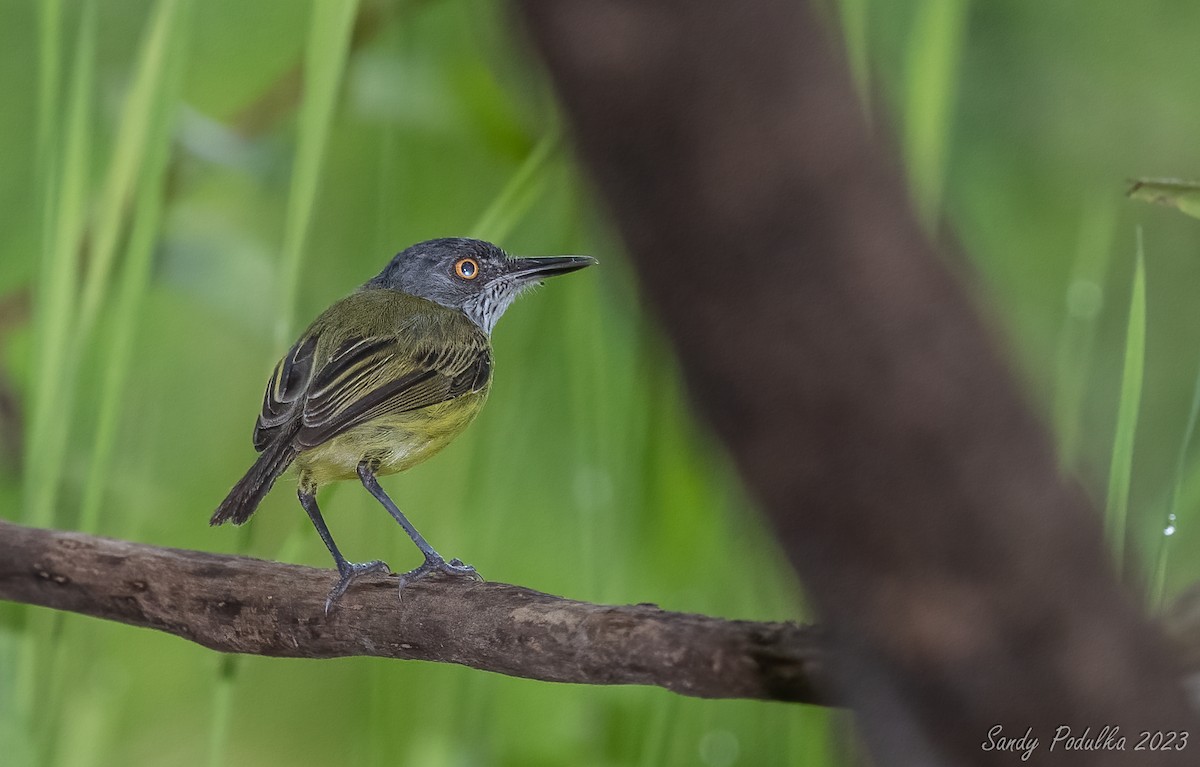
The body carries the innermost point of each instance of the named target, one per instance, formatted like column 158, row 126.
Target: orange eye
column 467, row 268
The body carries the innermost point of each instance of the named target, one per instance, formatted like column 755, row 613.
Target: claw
column 454, row 568
column 351, row 572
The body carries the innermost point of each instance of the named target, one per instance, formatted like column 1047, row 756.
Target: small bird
column 385, row 378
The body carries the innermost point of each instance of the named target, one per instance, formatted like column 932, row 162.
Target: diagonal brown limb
column 867, row 406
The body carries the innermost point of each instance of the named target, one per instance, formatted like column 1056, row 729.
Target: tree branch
column 243, row 605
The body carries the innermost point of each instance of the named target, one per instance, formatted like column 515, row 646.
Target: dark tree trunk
column 866, row 405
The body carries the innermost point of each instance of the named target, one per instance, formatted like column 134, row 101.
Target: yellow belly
column 391, row 443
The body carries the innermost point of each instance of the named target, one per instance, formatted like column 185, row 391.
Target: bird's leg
column 433, row 560
column 349, row 571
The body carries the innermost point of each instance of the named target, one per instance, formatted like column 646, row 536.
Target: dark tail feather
column 245, row 496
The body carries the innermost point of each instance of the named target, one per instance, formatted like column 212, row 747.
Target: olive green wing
column 373, row 376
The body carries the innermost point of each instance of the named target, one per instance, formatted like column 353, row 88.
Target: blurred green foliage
column 186, row 183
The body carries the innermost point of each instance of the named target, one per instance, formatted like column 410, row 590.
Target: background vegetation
column 175, row 206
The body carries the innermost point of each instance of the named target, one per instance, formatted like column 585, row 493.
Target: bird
column 382, row 380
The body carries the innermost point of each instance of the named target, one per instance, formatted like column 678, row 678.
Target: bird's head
column 473, row 276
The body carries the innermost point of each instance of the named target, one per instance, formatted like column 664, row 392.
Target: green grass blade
column 1158, row 582
column 53, row 315
column 518, row 195
column 126, row 161
column 1077, row 341
column 57, row 290
column 933, row 57
column 222, row 713
column 64, row 346
column 147, row 217
column 324, row 63
column 1121, row 467
column 49, row 64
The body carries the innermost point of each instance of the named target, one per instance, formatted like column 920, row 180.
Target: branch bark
column 243, row 605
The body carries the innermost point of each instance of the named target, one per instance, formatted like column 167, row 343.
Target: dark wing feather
column 368, row 378
column 285, row 392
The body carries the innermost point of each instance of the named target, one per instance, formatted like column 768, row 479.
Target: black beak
column 531, row 269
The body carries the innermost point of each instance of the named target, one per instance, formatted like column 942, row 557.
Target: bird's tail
column 245, row 496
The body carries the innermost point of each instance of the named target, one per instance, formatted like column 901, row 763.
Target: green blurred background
column 185, row 184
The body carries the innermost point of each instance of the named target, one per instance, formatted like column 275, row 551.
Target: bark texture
column 242, row 605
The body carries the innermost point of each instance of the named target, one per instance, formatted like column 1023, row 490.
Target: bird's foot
column 436, row 564
column 351, row 572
